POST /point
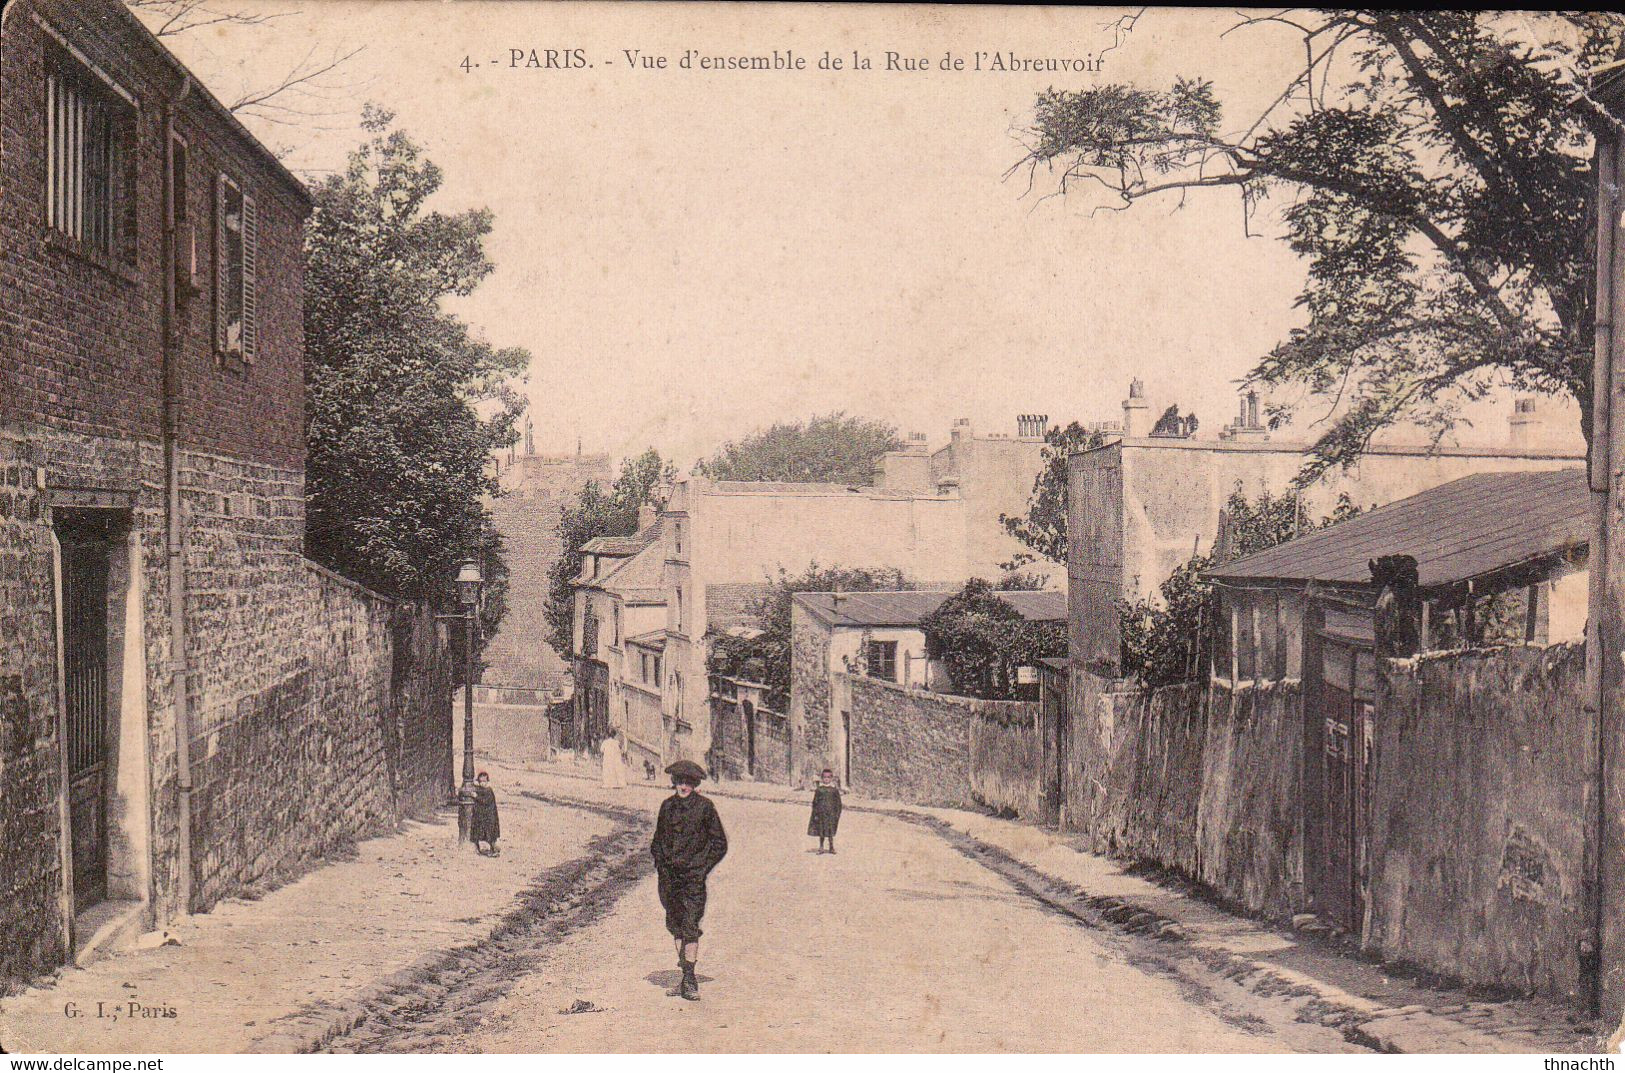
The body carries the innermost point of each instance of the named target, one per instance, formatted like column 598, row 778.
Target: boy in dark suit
column 688, row 843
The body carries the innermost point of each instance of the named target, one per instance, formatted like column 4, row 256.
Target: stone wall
column 810, row 699
column 31, row 934
column 1204, row 781
column 1476, row 836
column 915, row 746
column 1005, row 753
column 737, row 712
column 1249, row 818
column 320, row 711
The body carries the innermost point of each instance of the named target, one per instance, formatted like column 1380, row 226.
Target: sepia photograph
column 591, row 528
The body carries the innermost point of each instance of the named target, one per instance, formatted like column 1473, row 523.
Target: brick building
column 190, row 708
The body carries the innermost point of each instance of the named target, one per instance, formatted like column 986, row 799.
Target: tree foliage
column 982, row 641
column 834, row 447
column 1043, row 527
column 765, row 656
column 397, row 456
column 1170, row 639
column 1438, row 173
column 597, row 512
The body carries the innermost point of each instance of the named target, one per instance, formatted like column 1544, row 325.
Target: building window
column 616, row 618
column 883, row 660
column 87, row 132
column 589, row 636
column 643, row 667
column 677, row 534
column 657, row 671
column 236, row 238
column 679, row 605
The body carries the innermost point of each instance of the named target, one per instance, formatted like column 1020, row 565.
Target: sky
column 690, row 255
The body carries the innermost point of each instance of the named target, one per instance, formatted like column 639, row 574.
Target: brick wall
column 80, row 333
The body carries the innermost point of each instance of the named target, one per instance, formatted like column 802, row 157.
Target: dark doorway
column 85, row 538
column 749, row 711
column 846, row 749
column 1347, row 736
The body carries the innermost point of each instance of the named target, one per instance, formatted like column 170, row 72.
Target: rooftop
column 1466, row 529
column 654, row 639
column 907, row 608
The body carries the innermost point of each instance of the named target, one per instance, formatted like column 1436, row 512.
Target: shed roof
column 1458, row 531
column 909, row 607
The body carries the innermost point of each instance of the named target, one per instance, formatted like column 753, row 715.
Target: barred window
column 236, row 260
column 85, row 135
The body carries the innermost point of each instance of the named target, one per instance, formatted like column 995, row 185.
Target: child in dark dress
column 826, row 811
column 485, row 826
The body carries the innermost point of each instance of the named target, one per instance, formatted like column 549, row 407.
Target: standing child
column 485, row 826
column 826, row 810
column 688, row 843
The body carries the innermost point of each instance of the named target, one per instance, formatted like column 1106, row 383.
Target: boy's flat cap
column 686, row 769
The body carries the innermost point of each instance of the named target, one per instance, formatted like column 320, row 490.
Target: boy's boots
column 690, row 987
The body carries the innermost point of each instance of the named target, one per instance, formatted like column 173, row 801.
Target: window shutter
column 222, row 265
column 251, row 244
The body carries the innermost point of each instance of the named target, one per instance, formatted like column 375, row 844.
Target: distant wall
column 1476, row 835
column 1004, row 760
column 737, row 713
column 915, row 746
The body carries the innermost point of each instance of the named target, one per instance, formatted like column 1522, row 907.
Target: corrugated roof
column 909, row 607
column 623, row 548
column 1457, row 531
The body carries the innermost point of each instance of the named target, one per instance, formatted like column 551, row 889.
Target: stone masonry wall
column 810, row 749
column 30, row 866
column 1004, row 761
column 1476, row 839
column 915, row 746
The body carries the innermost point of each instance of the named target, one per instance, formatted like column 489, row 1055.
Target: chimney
column 961, row 429
column 1524, row 426
column 916, row 444
column 1032, row 426
column 646, row 516
column 1134, row 410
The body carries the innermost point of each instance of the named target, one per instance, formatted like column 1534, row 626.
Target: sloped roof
column 909, row 607
column 1462, row 530
column 625, row 548
column 655, row 639
column 640, row 579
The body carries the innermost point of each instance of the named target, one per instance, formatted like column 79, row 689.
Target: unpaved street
column 898, row 943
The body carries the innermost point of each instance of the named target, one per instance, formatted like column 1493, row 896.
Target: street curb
column 317, row 1026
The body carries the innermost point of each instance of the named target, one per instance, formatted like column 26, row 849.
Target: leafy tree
column 833, row 447
column 982, row 641
column 765, row 656
column 1437, row 167
column 397, row 456
column 1043, row 529
column 1170, row 639
column 598, row 512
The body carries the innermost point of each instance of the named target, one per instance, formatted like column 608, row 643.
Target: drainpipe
column 174, row 544
column 1598, row 595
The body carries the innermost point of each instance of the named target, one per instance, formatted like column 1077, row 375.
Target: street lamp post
column 468, row 594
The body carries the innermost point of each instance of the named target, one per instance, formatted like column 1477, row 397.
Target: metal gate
column 84, row 657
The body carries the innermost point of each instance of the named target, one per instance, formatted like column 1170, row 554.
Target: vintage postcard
column 710, row 528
